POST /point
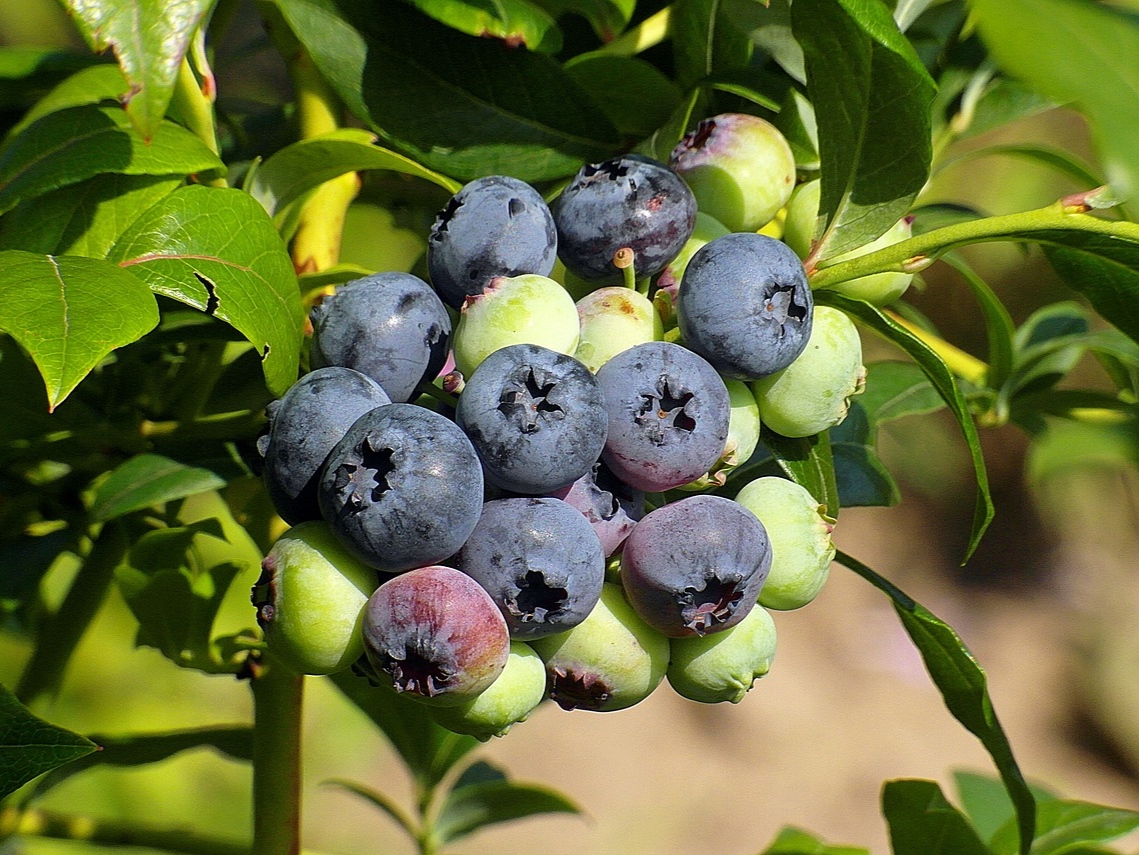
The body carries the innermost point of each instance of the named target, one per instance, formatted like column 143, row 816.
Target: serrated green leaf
column 872, row 101
column 147, row 480
column 84, row 219
column 68, row 313
column 30, row 746
column 923, row 822
column 964, row 688
column 458, row 104
column 1079, row 53
column 485, row 800
column 1062, row 824
column 519, row 23
column 149, row 38
column 806, row 461
column 217, row 250
column 706, row 40
column 90, row 85
column 430, row 751
column 644, row 100
column 69, row 146
column 293, row 171
column 795, row 841
column 942, row 380
column 897, row 389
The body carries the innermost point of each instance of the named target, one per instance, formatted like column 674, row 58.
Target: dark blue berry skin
column 494, row 226
column 304, row 426
column 540, row 561
column 536, row 417
column 611, row 506
column 668, row 415
column 630, row 201
column 391, row 326
column 696, row 565
column 745, row 305
column 402, row 489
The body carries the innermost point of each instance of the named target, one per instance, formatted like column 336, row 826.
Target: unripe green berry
column 813, row 393
column 610, row 661
column 708, row 228
column 310, row 600
column 510, row 699
column 526, row 309
column 614, row 319
column 723, row 666
column 743, row 436
column 800, row 534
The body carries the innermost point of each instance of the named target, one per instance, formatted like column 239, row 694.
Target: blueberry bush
column 573, row 430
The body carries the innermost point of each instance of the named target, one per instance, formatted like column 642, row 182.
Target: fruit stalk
column 277, row 700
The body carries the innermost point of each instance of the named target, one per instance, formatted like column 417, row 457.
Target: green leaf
column 644, row 100
column 796, row 121
column 806, row 461
column 986, row 801
column 768, row 24
column 519, row 23
column 1004, row 101
column 795, row 841
column 83, row 219
column 872, row 101
column 860, row 476
column 30, row 746
column 218, row 251
column 705, row 40
column 149, row 38
column 68, row 313
column 383, row 802
column 90, row 85
column 923, row 822
column 460, row 105
column 1063, row 824
column 486, row 800
column 1062, row 161
column 664, row 139
column 942, row 380
column 298, row 168
column 1079, row 53
column 430, row 751
column 998, row 323
column 1104, row 271
column 608, row 18
column 147, row 480
column 897, row 389
column 963, row 686
column 72, row 145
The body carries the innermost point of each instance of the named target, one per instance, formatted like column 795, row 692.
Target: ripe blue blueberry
column 403, row 488
column 539, row 560
column 304, row 426
column 696, row 565
column 745, row 305
column 628, row 202
column 536, row 417
column 668, row 415
column 494, row 226
column 390, row 326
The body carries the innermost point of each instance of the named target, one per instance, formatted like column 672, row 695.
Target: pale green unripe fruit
column 800, row 535
column 609, row 661
column 879, row 289
column 510, row 699
column 614, row 319
column 707, row 229
column 813, row 392
column 740, row 168
column 723, row 666
column 743, row 436
column 310, row 600
column 526, row 309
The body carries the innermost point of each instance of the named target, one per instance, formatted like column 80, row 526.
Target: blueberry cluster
column 499, row 495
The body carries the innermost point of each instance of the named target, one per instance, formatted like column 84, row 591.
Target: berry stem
column 59, row 633
column 277, row 700
column 922, row 250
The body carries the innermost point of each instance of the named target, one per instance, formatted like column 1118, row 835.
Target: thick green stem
column 104, row 832
column 196, row 111
column 277, row 699
column 919, row 252
column 60, row 633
